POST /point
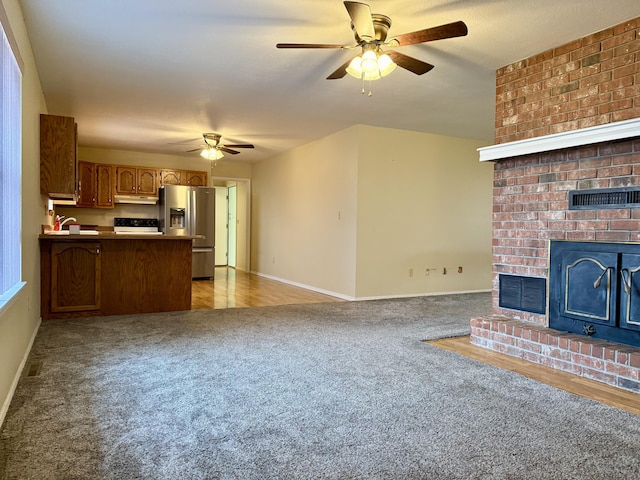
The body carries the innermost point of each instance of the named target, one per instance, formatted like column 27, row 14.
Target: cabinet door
column 126, row 178
column 104, row 186
column 57, row 156
column 170, row 177
column 75, row 276
column 86, row 184
column 196, row 179
column 147, row 181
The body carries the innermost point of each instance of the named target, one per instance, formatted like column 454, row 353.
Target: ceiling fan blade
column 239, row 145
column 195, row 149
column 409, row 63
column 450, row 30
column 360, row 14
column 308, row 45
column 228, row 150
column 341, row 71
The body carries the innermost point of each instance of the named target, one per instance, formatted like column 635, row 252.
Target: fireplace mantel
column 584, row 136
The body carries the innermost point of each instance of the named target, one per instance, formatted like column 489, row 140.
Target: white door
column 231, row 248
column 222, row 234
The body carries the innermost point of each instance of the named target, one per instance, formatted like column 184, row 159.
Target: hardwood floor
column 234, row 289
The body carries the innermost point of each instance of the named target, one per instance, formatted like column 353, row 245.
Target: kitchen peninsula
column 109, row 274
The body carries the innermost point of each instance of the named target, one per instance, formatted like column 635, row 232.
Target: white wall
column 424, row 202
column 304, row 206
column 19, row 322
column 353, row 212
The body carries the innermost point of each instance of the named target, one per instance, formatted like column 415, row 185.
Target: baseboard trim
column 357, row 299
column 430, row 294
column 306, row 287
column 16, row 379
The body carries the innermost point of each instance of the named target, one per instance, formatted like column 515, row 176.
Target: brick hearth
column 607, row 362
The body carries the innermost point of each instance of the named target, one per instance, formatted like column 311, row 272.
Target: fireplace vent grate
column 528, row 294
column 626, row 197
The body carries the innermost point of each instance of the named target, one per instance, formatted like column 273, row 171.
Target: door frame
column 225, row 182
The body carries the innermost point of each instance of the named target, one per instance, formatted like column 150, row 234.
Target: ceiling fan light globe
column 369, row 61
column 355, row 67
column 375, row 75
column 211, row 154
column 385, row 65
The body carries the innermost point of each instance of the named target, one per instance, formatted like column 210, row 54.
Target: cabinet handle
column 626, row 282
column 596, row 284
column 97, row 250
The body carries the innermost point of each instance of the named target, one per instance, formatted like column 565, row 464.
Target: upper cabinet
column 58, row 139
column 170, row 177
column 96, row 183
column 136, row 180
column 196, row 179
column 183, row 177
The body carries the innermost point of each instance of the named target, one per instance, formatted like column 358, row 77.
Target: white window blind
column 10, row 169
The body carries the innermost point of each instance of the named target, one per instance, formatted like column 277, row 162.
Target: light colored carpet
column 336, row 390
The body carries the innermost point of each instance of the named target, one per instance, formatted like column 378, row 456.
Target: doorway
column 233, row 204
column 222, row 226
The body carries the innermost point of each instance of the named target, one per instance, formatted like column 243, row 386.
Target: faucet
column 66, row 220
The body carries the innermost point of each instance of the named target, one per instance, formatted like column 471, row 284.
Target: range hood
column 135, row 199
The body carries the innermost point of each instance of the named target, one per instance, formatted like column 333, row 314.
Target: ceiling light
column 369, row 62
column 371, row 66
column 211, row 154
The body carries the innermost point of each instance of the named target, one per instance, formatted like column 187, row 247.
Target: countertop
column 106, row 235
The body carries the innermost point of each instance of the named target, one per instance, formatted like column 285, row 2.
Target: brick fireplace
column 567, row 119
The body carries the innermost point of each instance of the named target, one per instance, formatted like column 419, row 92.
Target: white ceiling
column 152, row 75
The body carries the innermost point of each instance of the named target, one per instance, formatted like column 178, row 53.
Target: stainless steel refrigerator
column 191, row 211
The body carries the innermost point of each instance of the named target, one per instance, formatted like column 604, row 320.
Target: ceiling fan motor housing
column 381, row 25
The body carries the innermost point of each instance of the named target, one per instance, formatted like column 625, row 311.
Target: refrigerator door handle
column 192, row 217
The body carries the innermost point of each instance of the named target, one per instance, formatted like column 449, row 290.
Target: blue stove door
column 630, row 292
column 589, row 280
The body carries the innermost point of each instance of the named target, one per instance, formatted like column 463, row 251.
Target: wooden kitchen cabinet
column 136, row 180
column 196, row 179
column 105, row 185
column 170, row 177
column 95, row 185
column 75, row 276
column 114, row 275
column 183, row 177
column 58, row 140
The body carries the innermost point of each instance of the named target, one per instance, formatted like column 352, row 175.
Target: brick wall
column 530, row 207
column 590, row 81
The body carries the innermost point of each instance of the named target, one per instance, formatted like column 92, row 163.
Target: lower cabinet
column 75, row 276
column 115, row 275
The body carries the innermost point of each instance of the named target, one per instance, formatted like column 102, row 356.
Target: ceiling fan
column 370, row 32
column 212, row 148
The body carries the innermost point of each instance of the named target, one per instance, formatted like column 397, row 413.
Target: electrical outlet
column 411, row 272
